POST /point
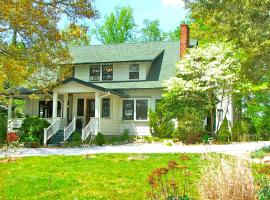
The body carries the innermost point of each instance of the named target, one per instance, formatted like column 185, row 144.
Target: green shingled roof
column 162, row 54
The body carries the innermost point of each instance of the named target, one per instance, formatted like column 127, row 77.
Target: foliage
column 264, row 189
column 3, row 127
column 161, row 126
column 31, row 40
column 228, row 19
column 34, row 126
column 125, row 135
column 76, row 137
column 257, row 154
column 243, row 130
column 224, row 135
column 151, row 31
column 171, row 182
column 12, row 136
column 118, row 27
column 29, row 138
column 76, row 35
column 100, row 140
column 227, row 178
column 190, row 128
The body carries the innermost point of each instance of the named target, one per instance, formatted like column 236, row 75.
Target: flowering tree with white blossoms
column 212, row 70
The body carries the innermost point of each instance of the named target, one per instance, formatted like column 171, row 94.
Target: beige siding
column 82, row 72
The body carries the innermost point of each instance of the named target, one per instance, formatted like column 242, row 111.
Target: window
column 94, row 73
column 138, row 112
column 107, row 72
column 42, row 107
column 128, row 109
column 106, row 107
column 80, row 107
column 134, row 71
column 141, row 109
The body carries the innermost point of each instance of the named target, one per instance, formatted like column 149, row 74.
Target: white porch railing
column 70, row 129
column 51, row 130
column 90, row 129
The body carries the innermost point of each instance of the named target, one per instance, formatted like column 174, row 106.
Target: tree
column 30, row 38
column 119, row 27
column 244, row 22
column 204, row 74
column 151, row 31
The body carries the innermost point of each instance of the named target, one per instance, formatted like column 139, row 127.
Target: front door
column 90, row 110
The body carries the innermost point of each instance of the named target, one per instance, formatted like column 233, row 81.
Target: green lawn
column 104, row 176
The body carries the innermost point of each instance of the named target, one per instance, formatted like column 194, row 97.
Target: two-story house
column 113, row 87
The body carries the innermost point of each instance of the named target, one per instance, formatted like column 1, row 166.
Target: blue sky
column 169, row 12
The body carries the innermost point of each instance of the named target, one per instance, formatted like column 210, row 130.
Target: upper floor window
column 107, row 72
column 134, row 71
column 95, row 73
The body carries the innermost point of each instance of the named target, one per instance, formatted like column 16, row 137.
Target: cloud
column 168, row 3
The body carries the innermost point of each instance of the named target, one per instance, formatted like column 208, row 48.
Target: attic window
column 134, row 71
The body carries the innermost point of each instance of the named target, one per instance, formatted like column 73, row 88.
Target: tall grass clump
column 227, row 179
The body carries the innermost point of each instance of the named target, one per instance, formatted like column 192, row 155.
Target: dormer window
column 95, row 73
column 134, row 71
column 107, row 72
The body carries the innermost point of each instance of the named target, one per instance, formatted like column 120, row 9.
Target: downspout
column 99, row 106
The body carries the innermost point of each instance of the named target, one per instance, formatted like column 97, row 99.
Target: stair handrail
column 70, row 129
column 90, row 128
column 51, row 130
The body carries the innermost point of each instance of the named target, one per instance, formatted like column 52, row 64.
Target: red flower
column 11, row 137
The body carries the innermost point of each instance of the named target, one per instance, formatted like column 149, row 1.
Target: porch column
column 55, row 97
column 65, row 106
column 10, row 107
column 96, row 105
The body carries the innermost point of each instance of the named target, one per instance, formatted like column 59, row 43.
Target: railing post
column 45, row 137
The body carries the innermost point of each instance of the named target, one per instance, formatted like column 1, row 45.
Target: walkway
column 237, row 149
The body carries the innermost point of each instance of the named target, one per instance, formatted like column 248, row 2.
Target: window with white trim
column 106, row 107
column 107, row 72
column 134, row 72
column 95, row 73
column 135, row 109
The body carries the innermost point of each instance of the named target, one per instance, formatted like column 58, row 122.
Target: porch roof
column 88, row 84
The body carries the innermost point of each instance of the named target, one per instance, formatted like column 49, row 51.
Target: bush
column 190, row 128
column 257, row 154
column 76, row 137
column 34, row 126
column 160, row 125
column 227, row 178
column 223, row 135
column 100, row 140
column 124, row 136
column 243, row 130
column 3, row 128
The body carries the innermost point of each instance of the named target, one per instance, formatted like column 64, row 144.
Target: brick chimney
column 184, row 40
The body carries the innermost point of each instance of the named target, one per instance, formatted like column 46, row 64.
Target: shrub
column 100, row 140
column 243, row 130
column 124, row 136
column 11, row 137
column 227, row 178
column 160, row 125
column 34, row 126
column 190, row 128
column 76, row 137
column 223, row 135
column 30, row 138
column 3, row 128
column 257, row 154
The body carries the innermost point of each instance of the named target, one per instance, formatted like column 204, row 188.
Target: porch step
column 56, row 139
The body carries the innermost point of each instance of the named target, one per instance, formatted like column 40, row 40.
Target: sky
column 169, row 12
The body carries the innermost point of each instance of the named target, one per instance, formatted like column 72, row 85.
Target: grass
column 103, row 176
